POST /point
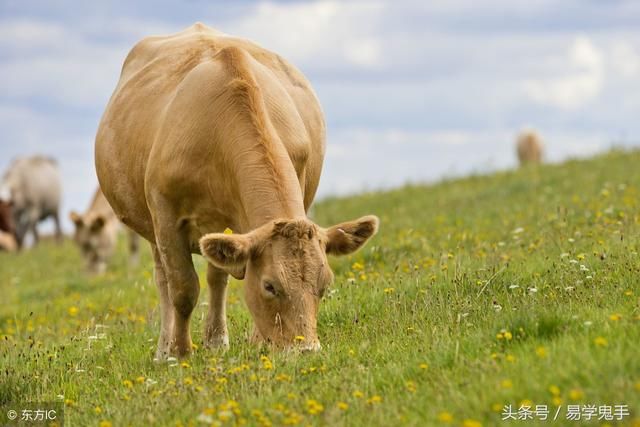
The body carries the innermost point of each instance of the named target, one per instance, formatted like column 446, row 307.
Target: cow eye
column 270, row 289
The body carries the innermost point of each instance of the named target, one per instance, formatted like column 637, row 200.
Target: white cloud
column 324, row 34
column 581, row 83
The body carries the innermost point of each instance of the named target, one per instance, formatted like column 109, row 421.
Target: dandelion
column 375, row 399
column 600, row 342
column 357, row 266
column 423, row 366
column 188, row 381
column 266, row 363
column 471, row 423
column 580, row 257
column 510, row 358
column 69, row 402
column 105, row 423
column 228, row 231
column 554, row 390
column 358, row 394
column 185, row 365
column 97, row 410
column 283, row 378
column 299, row 338
column 541, row 352
column 556, row 400
column 615, row 317
column 576, row 394
column 526, row 402
column 411, row 386
column 127, row 384
column 506, row 384
column 343, row 406
column 73, row 311
column 628, row 292
column 314, row 407
column 389, row 290
column 140, row 379
column 445, row 417
column 497, row 407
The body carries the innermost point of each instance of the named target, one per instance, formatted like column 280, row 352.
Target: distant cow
column 206, row 131
column 97, row 232
column 529, row 147
column 7, row 229
column 34, row 188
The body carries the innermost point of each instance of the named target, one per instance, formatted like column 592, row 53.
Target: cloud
column 322, row 34
column 580, row 84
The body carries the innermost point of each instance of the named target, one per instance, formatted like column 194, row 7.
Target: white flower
column 533, row 290
column 518, row 230
column 564, row 254
column 583, row 267
column 513, row 286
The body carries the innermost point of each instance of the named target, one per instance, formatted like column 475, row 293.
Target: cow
column 207, row 132
column 529, row 147
column 34, row 188
column 96, row 234
column 7, row 230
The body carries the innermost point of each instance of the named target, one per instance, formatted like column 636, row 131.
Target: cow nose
column 311, row 347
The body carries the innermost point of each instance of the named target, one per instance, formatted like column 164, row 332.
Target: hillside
column 518, row 288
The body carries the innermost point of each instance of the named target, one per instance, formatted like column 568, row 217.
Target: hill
column 518, row 288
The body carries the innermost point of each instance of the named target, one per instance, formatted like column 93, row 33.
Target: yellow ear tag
column 228, row 231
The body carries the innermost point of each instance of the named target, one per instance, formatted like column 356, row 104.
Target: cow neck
column 269, row 190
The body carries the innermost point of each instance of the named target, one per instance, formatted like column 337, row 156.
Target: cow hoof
column 217, row 343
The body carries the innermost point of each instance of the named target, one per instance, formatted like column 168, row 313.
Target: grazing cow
column 529, row 147
column 7, row 230
column 206, row 132
column 34, row 188
column 97, row 234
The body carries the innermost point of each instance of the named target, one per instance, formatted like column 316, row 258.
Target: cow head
column 96, row 237
column 285, row 266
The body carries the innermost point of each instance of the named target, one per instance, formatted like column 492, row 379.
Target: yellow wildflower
column 506, row 384
column 554, row 389
column 374, row 399
column 105, row 423
column 576, row 394
column 127, row 383
column 471, row 423
column 445, row 417
column 73, row 311
column 600, row 342
column 343, row 406
column 541, row 352
column 314, row 407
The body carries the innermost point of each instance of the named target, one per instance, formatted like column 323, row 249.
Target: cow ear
column 98, row 223
column 348, row 237
column 228, row 252
column 76, row 218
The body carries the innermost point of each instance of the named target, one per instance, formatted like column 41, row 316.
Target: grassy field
column 519, row 288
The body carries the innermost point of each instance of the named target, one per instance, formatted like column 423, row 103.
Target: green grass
column 411, row 330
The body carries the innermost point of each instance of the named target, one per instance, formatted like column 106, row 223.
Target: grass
column 518, row 288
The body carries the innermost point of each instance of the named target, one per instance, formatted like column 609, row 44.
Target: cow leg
column 183, row 283
column 56, row 222
column 166, row 310
column 134, row 247
column 215, row 332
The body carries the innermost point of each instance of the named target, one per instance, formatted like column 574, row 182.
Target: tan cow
column 529, row 147
column 97, row 234
column 7, row 230
column 206, row 131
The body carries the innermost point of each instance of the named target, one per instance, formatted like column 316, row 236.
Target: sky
column 412, row 91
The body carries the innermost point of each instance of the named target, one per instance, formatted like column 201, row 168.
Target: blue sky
column 412, row 90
